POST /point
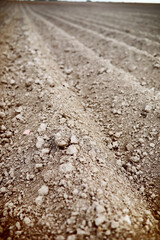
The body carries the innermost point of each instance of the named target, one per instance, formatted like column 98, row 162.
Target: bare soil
column 79, row 121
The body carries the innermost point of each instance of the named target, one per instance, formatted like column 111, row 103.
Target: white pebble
column 39, row 200
column 3, row 190
column 152, row 145
column 18, row 226
column 39, row 166
column 61, row 139
column 66, row 167
column 71, row 150
column 127, row 219
column 2, row 115
column 114, row 224
column 42, row 127
column 71, row 237
column 43, row 190
column 148, row 108
column 100, row 209
column 27, row 221
column 3, row 128
column 119, row 162
column 99, row 220
column 50, row 81
column 74, row 139
column 40, row 142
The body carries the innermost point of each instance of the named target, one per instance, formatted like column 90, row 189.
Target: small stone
column 152, row 145
column 3, row 128
column 39, row 166
column 131, row 68
column 143, row 83
column 115, row 144
column 37, row 81
column 119, row 162
column 103, row 183
column 19, row 109
column 114, row 224
column 18, row 226
column 3, row 190
column 42, row 127
column 45, row 150
column 43, row 190
column 99, row 192
column 71, row 237
column 101, row 70
column 68, row 71
column 2, row 105
column 100, row 209
column 59, row 238
column 99, row 220
column 66, row 167
column 27, row 221
column 148, row 108
column 39, row 200
column 134, row 170
column 127, row 219
column 135, row 159
column 108, row 232
column 51, row 82
column 19, row 117
column 8, row 134
column 95, row 170
column 118, row 134
column 75, row 191
column 2, row 115
column 40, row 142
column 29, row 82
column 12, row 82
column 80, row 232
column 62, row 120
column 125, row 210
column 70, row 123
column 61, row 139
column 129, row 147
column 141, row 140
column 74, row 139
column 71, row 150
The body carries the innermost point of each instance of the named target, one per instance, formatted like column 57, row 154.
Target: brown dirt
column 79, row 121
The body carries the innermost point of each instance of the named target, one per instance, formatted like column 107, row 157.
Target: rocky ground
column 79, row 121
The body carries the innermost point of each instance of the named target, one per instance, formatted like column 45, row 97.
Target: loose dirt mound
column 79, row 121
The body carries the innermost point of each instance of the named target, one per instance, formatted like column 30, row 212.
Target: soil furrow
column 140, row 43
column 128, row 58
column 99, row 16
column 110, row 24
column 79, row 143
column 91, row 91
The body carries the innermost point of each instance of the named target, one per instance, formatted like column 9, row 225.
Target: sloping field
column 79, row 121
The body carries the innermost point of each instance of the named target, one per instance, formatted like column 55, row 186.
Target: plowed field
column 79, row 121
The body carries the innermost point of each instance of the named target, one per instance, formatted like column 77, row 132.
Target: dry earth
column 79, row 121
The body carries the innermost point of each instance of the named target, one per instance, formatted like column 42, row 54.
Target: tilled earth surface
column 79, row 121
